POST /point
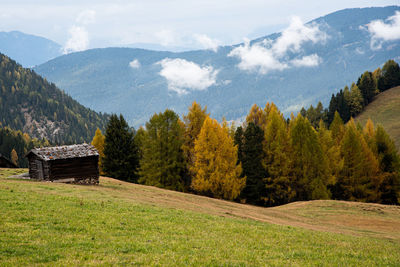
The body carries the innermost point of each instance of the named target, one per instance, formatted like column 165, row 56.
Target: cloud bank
column 256, row 57
column 183, row 76
column 78, row 35
column 271, row 55
column 381, row 31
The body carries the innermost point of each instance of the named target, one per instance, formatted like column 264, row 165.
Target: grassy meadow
column 116, row 223
column 385, row 110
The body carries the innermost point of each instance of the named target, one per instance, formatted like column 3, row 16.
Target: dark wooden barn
column 68, row 164
column 6, row 163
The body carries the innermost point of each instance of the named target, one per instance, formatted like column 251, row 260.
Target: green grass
column 385, row 110
column 58, row 224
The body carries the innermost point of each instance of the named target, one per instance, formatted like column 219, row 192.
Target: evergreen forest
column 32, row 105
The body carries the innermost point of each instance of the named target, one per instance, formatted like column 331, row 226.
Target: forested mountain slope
column 332, row 52
column 31, row 104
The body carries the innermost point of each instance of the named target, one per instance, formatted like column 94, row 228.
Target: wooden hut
column 6, row 163
column 68, row 164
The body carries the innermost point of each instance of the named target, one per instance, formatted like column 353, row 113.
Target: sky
column 173, row 24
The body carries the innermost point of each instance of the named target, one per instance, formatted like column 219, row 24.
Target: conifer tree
column 139, row 140
column 333, row 107
column 337, row 128
column 331, row 152
column 388, row 156
column 376, row 75
column 14, row 157
column 390, row 75
column 355, row 100
column 253, row 154
column 256, row 116
column 309, row 163
column 343, row 106
column 367, row 87
column 359, row 168
column 120, row 152
column 163, row 163
column 277, row 161
column 388, row 190
column 369, row 135
column 215, row 166
column 98, row 143
column 238, row 141
column 193, row 122
column 270, row 108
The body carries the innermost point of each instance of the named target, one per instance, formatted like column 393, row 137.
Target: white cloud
column 206, row 42
column 297, row 34
column 78, row 35
column 382, row 31
column 256, row 58
column 134, row 64
column 269, row 55
column 78, row 40
column 183, row 75
column 307, row 61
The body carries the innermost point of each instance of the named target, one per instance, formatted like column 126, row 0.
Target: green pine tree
column 163, row 163
column 120, row 151
column 252, row 167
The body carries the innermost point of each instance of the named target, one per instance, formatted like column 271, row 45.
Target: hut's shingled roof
column 65, row 152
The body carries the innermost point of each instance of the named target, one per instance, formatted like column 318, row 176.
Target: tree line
column 267, row 161
column 349, row 102
column 15, row 144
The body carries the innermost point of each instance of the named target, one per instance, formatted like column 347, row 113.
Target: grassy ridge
column 59, row 224
column 385, row 110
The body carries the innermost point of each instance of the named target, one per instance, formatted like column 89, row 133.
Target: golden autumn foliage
column 98, row 143
column 257, row 116
column 277, row 161
column 360, row 168
column 216, row 172
column 193, row 122
column 14, row 157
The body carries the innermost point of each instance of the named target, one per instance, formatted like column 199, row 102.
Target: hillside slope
column 385, row 110
column 131, row 82
column 28, row 50
column 31, row 104
column 118, row 223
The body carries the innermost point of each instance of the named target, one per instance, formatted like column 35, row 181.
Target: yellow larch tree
column 215, row 166
column 98, row 143
column 257, row 116
column 14, row 157
column 193, row 122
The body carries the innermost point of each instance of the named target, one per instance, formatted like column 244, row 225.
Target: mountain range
column 28, row 50
column 297, row 67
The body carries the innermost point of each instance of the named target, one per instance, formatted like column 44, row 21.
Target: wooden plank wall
column 76, row 170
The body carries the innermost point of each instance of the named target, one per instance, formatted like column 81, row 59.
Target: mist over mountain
column 28, row 50
column 303, row 64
